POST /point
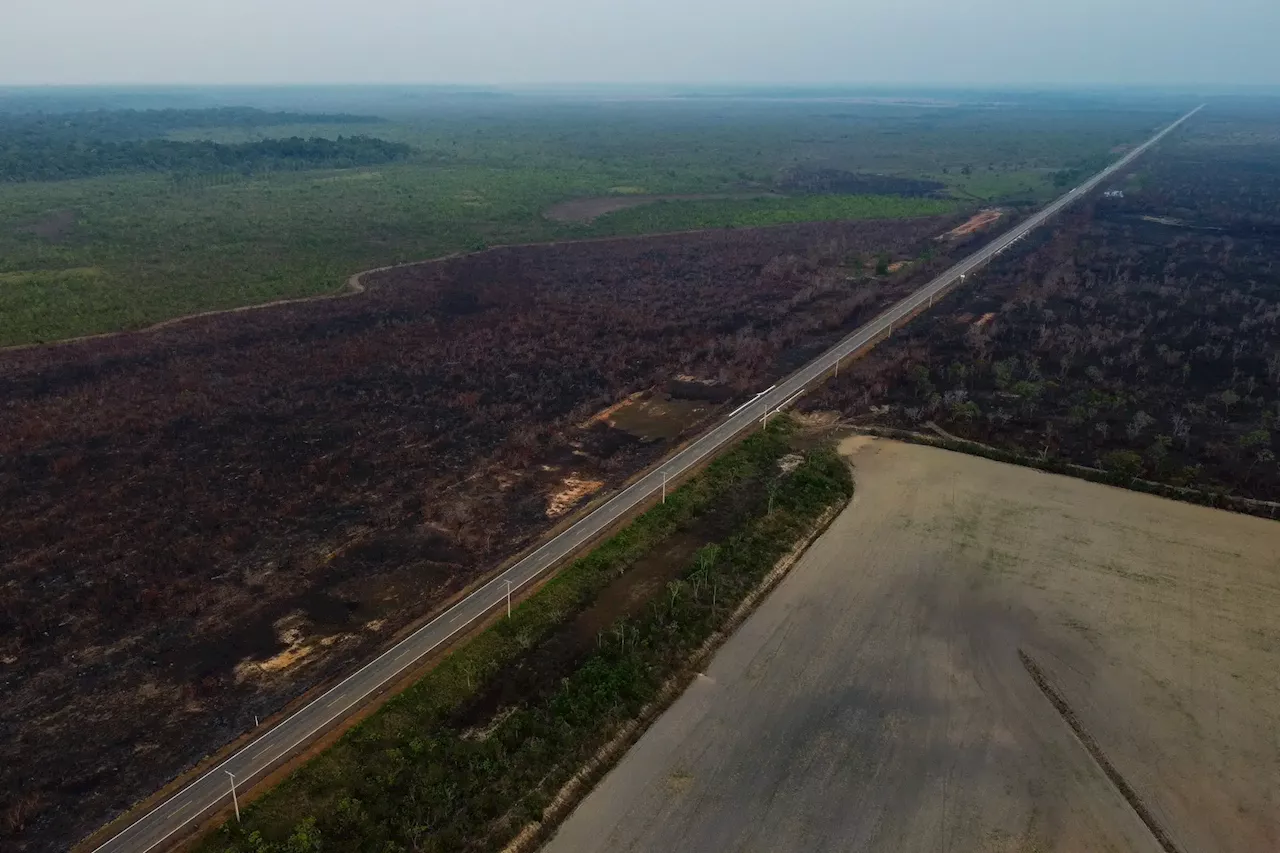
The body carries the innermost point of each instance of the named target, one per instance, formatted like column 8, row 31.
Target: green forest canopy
column 42, row 147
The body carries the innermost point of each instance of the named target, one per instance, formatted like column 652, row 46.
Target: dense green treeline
column 37, row 159
column 121, row 125
column 57, row 146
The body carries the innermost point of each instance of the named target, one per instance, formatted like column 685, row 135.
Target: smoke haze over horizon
column 930, row 42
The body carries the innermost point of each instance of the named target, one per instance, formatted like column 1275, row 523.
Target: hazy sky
column 696, row 41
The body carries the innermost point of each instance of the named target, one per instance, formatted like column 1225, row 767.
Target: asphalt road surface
column 213, row 789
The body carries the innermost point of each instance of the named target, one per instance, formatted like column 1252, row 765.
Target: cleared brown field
column 876, row 700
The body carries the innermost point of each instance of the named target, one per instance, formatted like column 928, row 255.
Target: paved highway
column 212, row 790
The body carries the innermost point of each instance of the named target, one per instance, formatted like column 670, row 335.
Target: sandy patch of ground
column 582, row 210
column 298, row 648
column 876, row 700
column 976, row 222
column 571, row 491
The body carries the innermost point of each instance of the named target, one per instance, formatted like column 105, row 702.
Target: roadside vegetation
column 461, row 761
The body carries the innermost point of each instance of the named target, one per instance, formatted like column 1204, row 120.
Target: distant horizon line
column 1182, row 87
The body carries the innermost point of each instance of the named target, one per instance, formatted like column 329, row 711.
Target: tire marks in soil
column 1126, row 790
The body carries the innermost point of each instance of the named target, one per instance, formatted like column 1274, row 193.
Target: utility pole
column 664, row 486
column 235, row 801
column 508, row 583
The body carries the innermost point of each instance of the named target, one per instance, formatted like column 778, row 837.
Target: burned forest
column 204, row 521
column 1137, row 337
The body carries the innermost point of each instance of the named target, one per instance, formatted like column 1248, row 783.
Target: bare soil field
column 876, row 700
column 204, row 521
column 977, row 222
column 583, row 210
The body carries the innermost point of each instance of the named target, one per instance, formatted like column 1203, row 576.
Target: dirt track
column 876, row 701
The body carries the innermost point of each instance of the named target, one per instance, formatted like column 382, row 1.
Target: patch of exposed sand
column 298, row 648
column 572, row 490
column 975, row 223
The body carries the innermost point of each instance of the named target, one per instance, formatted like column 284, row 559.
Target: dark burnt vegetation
column 824, row 180
column 182, row 506
column 1139, row 335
